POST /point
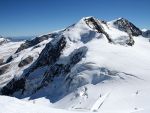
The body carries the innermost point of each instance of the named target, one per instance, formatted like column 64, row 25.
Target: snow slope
column 6, row 50
column 9, row 103
column 91, row 66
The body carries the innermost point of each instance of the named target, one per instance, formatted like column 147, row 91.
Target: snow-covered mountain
column 3, row 40
column 90, row 66
column 146, row 33
column 7, row 48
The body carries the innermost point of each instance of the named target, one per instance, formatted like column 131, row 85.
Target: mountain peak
column 125, row 25
column 122, row 18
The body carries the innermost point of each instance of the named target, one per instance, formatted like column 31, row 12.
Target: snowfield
column 13, row 105
column 91, row 66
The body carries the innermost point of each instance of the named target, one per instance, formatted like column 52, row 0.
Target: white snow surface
column 99, row 91
column 7, row 49
column 14, row 105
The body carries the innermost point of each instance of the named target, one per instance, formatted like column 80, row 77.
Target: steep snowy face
column 80, row 32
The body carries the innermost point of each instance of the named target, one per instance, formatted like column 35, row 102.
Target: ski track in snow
column 100, row 101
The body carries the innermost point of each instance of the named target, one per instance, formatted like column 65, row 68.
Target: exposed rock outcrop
column 128, row 27
column 3, row 40
column 9, row 59
column 146, row 34
column 13, row 86
column 97, row 26
column 49, row 54
column 63, row 69
column 30, row 43
column 25, row 61
column 3, row 69
column 1, row 61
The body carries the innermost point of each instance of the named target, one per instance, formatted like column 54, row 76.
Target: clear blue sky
column 35, row 17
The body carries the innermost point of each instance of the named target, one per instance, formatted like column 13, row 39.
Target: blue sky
column 35, row 17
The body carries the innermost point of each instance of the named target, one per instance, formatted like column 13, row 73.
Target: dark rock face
column 146, row 34
column 63, row 69
column 4, row 41
column 26, row 61
column 97, row 26
column 13, row 86
column 124, row 40
column 3, row 69
column 48, row 56
column 127, row 26
column 30, row 43
column 130, row 42
column 51, row 52
column 1, row 61
column 9, row 59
